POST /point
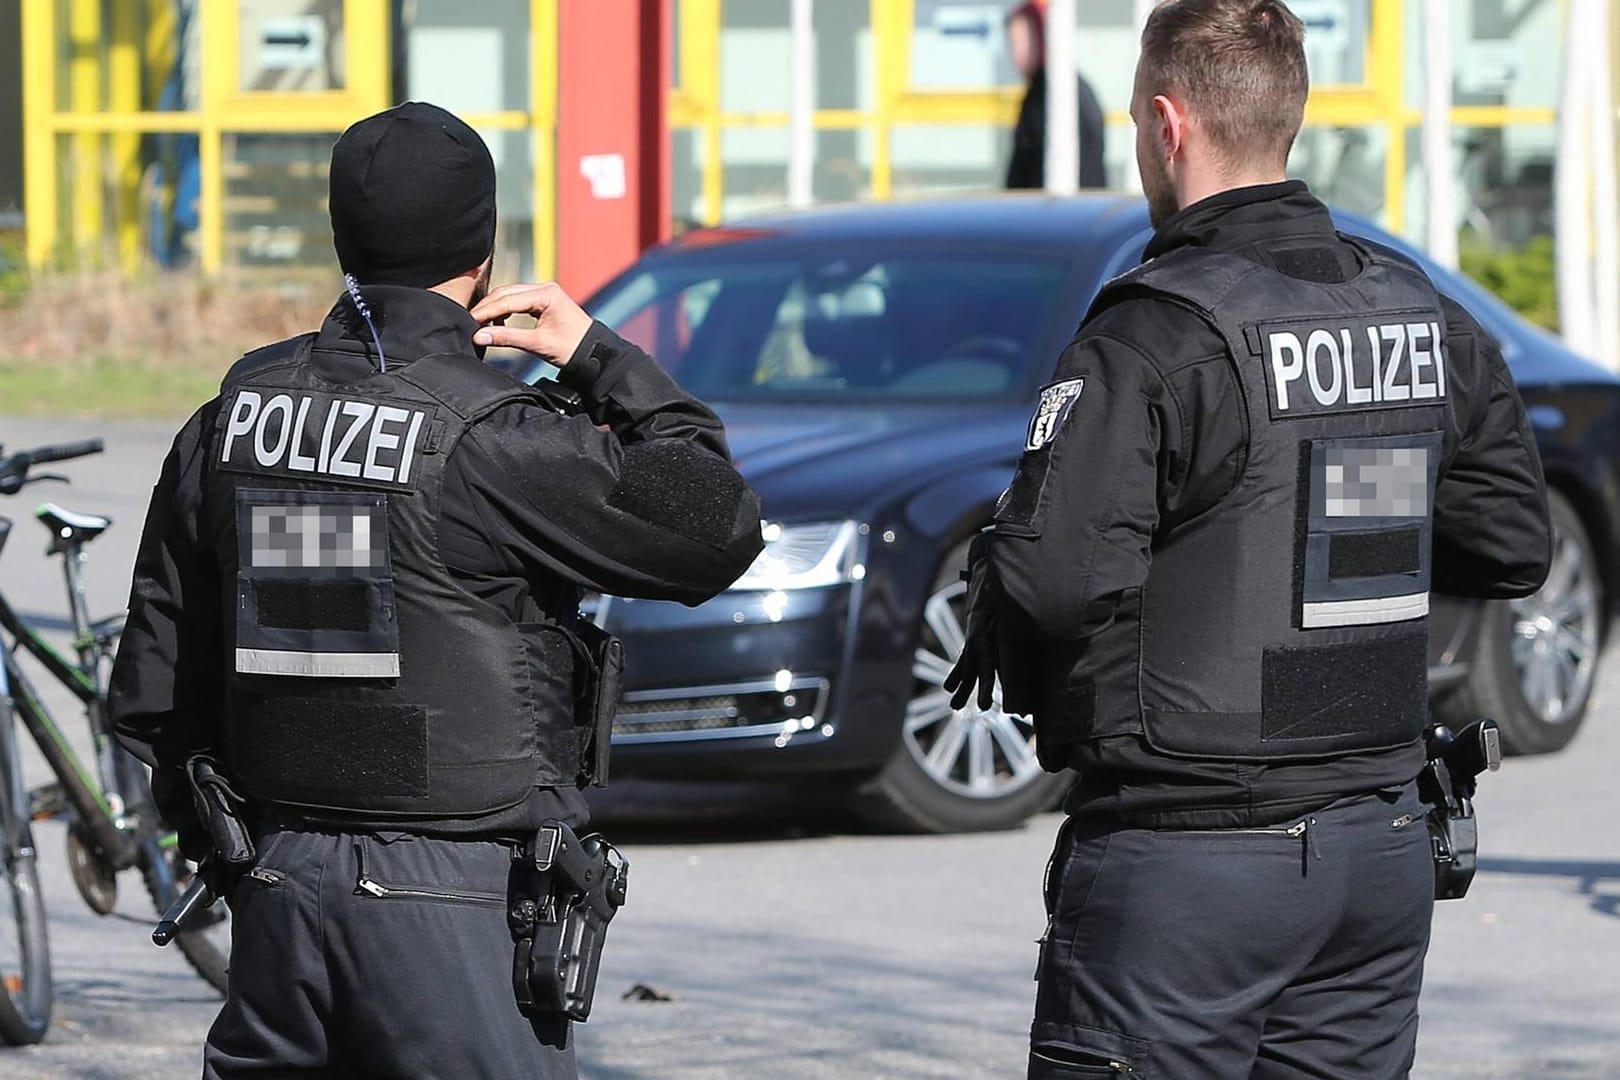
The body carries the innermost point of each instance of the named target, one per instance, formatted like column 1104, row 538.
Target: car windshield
column 919, row 325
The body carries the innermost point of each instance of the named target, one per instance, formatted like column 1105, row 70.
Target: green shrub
column 1523, row 277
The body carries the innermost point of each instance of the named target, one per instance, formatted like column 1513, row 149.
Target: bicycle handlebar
column 65, row 451
column 14, row 468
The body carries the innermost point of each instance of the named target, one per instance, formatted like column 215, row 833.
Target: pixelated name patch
column 1376, row 481
column 332, row 538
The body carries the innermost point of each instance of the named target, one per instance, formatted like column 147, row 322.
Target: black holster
column 222, row 812
column 1447, row 783
column 559, row 920
column 598, row 674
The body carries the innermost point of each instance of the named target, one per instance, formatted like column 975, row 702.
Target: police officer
column 357, row 584
column 1263, row 449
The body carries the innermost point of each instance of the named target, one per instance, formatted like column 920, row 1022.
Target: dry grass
column 93, row 343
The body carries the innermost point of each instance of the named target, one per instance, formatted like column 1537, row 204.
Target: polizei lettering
column 292, row 434
column 1346, row 366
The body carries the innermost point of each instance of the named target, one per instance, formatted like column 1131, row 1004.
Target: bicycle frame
column 99, row 805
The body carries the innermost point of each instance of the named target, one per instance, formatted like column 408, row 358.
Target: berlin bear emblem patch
column 1056, row 401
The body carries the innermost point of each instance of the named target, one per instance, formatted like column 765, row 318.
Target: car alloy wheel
column 977, row 753
column 1555, row 634
column 1534, row 662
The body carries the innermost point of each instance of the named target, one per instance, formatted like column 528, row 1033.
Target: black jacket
column 525, row 524
column 1159, row 436
column 1027, row 167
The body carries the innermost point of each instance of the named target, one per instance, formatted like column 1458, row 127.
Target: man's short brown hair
column 1238, row 66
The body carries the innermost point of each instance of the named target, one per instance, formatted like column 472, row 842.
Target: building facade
column 198, row 130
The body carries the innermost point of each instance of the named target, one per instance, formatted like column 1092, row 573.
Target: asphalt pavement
column 768, row 942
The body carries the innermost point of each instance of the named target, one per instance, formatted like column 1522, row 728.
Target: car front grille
column 767, row 707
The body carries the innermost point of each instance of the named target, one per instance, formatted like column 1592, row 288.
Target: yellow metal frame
column 1379, row 101
column 106, row 115
column 107, row 66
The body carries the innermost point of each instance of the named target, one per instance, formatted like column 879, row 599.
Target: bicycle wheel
column 25, row 959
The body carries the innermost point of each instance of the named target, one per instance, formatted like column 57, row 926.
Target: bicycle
column 112, row 821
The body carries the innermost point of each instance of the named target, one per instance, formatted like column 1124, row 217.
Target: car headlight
column 805, row 557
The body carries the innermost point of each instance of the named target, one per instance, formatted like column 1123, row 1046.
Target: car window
column 909, row 325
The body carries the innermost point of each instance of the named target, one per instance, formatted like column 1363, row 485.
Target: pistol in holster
column 559, row 923
column 222, row 812
column 1447, row 783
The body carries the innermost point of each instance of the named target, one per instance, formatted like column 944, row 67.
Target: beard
column 480, row 287
column 1159, row 191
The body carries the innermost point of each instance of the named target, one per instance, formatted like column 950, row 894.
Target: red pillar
column 612, row 136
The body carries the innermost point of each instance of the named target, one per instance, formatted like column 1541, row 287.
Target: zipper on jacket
column 267, row 875
column 366, row 885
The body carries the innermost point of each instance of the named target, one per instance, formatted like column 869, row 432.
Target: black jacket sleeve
column 1144, row 447
column 1492, row 534
column 637, row 497
column 166, row 691
column 1074, row 528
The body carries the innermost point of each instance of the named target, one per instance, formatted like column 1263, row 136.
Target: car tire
column 1536, row 659
column 955, row 770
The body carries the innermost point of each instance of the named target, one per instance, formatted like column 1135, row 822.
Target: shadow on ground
column 644, row 812
column 1587, row 875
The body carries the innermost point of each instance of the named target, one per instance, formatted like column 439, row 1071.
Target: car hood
column 835, row 459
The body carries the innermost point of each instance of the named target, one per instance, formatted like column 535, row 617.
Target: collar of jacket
column 412, row 323
column 1245, row 218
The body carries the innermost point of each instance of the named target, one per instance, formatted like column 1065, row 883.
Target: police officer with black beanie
column 358, row 588
column 1208, row 582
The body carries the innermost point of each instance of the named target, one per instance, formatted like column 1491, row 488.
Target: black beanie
column 412, row 197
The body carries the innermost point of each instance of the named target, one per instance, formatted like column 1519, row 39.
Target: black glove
column 977, row 664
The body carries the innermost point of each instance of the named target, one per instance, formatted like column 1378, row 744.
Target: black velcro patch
column 291, row 604
column 1375, row 554
column 1315, row 263
column 680, row 487
column 1373, row 692
column 330, row 753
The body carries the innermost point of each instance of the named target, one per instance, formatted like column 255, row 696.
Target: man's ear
column 1172, row 126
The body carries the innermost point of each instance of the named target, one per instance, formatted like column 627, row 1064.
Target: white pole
column 1062, row 100
column 1571, row 221
column 1605, row 211
column 801, row 117
column 1439, row 169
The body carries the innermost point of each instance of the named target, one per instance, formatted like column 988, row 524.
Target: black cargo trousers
column 1288, row 952
column 377, row 955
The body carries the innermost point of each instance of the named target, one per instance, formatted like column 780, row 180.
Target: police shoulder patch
column 1050, row 414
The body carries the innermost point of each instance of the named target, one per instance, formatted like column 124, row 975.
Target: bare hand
column 559, row 323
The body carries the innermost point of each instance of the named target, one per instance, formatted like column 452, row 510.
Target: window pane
column 1504, row 52
column 949, row 157
column 941, row 325
column 1344, row 166
column 466, row 57
column 755, row 170
column 275, row 200
column 1335, row 39
column 1504, row 184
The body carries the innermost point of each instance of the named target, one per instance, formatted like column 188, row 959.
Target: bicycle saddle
column 67, row 526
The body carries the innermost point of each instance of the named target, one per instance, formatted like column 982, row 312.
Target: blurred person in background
column 1026, row 41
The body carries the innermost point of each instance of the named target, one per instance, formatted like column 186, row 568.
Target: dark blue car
column 876, row 367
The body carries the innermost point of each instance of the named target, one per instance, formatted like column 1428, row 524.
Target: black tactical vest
column 1289, row 622
column 363, row 678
